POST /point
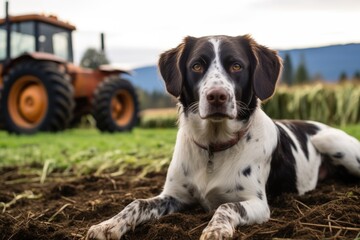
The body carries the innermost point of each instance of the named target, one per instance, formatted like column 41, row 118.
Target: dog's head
column 220, row 77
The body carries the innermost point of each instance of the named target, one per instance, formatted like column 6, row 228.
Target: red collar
column 218, row 147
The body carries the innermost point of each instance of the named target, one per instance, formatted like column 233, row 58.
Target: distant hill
column 147, row 78
column 328, row 62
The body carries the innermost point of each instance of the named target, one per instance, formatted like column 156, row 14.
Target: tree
column 155, row 99
column 317, row 77
column 288, row 75
column 343, row 76
column 356, row 76
column 301, row 75
column 93, row 58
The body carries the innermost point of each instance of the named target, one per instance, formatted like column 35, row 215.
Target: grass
column 155, row 118
column 353, row 130
column 83, row 151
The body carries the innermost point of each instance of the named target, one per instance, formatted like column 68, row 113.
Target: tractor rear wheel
column 37, row 96
column 115, row 105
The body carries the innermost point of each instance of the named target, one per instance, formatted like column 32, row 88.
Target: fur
column 220, row 82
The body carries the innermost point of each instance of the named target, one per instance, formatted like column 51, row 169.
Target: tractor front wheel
column 37, row 96
column 115, row 105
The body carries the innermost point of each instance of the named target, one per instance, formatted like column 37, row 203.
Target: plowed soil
column 65, row 207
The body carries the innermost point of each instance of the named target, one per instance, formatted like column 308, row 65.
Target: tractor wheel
column 37, row 96
column 115, row 105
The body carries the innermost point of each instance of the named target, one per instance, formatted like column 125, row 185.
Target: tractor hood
column 113, row 69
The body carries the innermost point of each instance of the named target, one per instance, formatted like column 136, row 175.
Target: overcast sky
column 137, row 31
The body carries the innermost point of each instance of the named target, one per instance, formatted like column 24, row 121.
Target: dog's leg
column 137, row 212
column 342, row 148
column 230, row 215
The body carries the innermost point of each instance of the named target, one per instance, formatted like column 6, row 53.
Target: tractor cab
column 42, row 90
column 35, row 33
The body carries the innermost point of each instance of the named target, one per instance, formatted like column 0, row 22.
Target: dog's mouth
column 217, row 116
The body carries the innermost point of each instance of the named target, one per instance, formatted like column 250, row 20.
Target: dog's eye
column 235, row 67
column 197, row 67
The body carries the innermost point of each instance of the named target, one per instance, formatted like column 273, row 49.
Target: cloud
column 308, row 5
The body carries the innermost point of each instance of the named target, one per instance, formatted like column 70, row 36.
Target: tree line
column 300, row 75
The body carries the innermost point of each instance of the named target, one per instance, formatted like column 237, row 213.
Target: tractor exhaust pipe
column 102, row 39
column 6, row 11
column 8, row 30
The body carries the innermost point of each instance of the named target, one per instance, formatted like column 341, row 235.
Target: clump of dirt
column 65, row 207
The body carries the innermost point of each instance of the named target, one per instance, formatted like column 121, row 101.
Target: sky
column 137, row 31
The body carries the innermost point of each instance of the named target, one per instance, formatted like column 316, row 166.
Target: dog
column 229, row 156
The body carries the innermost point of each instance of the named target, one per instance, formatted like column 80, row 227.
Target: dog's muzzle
column 218, row 104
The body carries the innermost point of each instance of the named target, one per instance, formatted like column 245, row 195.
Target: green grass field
column 83, row 151
column 353, row 130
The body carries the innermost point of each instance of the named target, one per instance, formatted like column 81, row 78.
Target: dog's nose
column 217, row 96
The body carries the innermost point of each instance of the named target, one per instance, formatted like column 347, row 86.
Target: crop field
column 334, row 104
column 55, row 186
column 46, row 178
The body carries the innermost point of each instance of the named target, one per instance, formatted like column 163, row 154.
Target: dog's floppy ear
column 267, row 70
column 170, row 64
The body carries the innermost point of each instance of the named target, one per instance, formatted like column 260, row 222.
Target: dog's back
column 339, row 148
column 303, row 148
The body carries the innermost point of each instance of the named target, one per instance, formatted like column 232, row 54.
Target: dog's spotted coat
column 229, row 155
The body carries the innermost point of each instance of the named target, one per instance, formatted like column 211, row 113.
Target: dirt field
column 64, row 208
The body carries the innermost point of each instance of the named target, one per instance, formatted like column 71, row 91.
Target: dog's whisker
column 242, row 105
column 194, row 107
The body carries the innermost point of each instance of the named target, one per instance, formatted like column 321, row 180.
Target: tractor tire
column 37, row 96
column 115, row 106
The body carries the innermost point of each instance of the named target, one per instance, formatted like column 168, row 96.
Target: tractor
column 41, row 89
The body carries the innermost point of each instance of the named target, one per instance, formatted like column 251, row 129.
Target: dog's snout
column 217, row 96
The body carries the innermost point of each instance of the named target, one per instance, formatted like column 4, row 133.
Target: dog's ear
column 171, row 66
column 268, row 66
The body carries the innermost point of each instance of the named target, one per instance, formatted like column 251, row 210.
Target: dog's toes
column 215, row 234
column 95, row 233
column 103, row 231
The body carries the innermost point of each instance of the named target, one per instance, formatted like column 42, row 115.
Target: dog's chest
column 236, row 174
column 224, row 178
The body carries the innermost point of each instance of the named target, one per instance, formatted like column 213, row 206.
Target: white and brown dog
column 229, row 155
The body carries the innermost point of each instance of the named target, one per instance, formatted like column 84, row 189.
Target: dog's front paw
column 108, row 230
column 216, row 233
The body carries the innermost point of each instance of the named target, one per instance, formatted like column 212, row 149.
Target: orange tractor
column 42, row 90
